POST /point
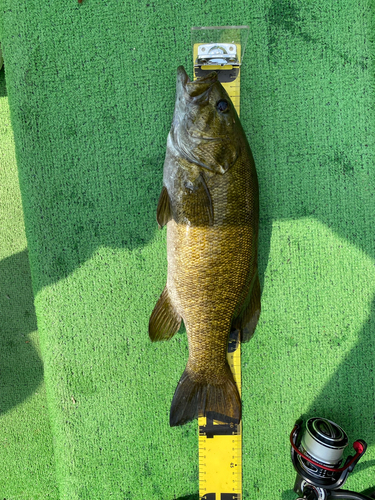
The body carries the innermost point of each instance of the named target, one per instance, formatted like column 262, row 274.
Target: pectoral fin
column 197, row 206
column 164, row 320
column 164, row 212
column 247, row 319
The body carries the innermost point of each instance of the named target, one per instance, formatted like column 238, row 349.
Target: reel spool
column 317, row 455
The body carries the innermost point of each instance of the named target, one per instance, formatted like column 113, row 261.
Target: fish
column 210, row 204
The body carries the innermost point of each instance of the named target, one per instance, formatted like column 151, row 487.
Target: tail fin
column 195, row 398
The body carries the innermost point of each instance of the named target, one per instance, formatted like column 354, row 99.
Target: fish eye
column 222, row 105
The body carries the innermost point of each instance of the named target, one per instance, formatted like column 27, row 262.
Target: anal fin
column 164, row 320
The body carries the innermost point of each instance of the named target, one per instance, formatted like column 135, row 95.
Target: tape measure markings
column 220, row 441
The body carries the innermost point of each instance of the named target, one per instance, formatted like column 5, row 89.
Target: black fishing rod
column 316, row 453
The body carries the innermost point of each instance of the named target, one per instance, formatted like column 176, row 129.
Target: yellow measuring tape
column 220, row 443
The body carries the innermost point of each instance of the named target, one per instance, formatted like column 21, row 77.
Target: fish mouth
column 182, row 76
column 196, row 87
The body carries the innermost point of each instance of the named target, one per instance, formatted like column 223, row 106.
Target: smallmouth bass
column 210, row 204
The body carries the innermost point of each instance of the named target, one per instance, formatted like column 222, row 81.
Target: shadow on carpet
column 21, row 366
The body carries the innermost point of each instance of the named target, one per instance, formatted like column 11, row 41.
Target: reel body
column 317, row 455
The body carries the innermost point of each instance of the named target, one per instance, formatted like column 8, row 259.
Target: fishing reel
column 317, row 455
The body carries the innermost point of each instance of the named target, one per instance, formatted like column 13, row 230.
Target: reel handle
column 337, row 495
column 347, row 495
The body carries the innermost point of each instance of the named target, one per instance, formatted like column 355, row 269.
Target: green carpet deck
column 91, row 92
